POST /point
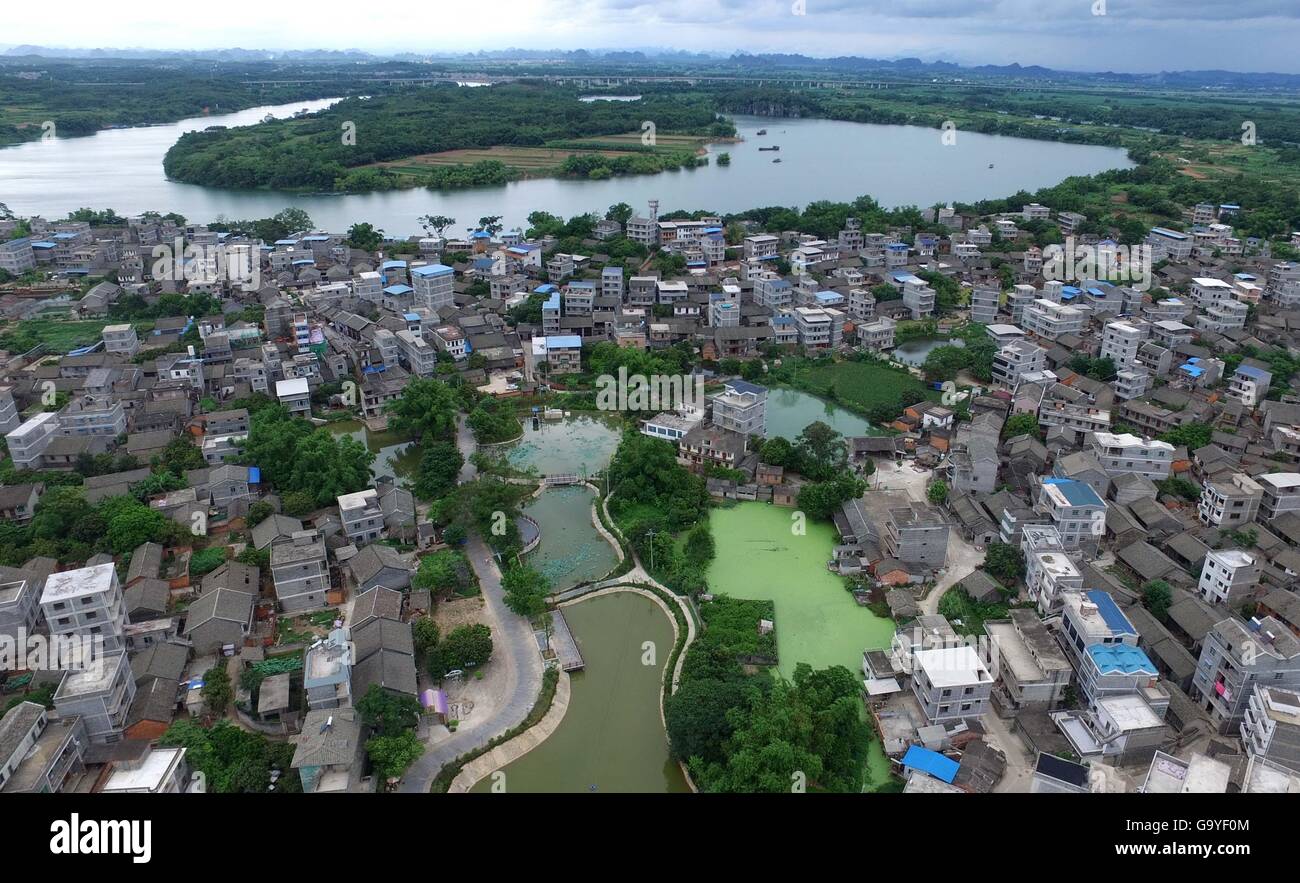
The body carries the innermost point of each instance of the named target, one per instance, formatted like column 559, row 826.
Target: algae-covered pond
column 817, row 620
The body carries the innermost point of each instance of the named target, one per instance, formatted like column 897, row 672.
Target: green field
column 60, row 335
column 859, row 385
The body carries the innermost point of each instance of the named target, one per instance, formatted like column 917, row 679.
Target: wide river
column 122, row 169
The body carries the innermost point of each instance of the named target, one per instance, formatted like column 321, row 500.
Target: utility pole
column 651, row 534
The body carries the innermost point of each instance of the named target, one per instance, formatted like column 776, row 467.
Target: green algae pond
column 581, row 444
column 790, row 410
column 611, row 739
column 571, row 550
column 817, row 620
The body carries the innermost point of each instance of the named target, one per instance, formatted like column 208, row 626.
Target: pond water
column 612, row 739
column 395, row 455
column 572, row 551
column 913, row 352
column 790, row 410
column 582, row 444
column 817, row 620
column 821, row 159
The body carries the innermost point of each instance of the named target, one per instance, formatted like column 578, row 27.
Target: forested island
column 353, row 145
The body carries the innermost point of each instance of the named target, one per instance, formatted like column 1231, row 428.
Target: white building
column 433, row 284
column 1227, row 576
column 1126, row 453
column 86, row 602
column 1052, row 320
column 28, row 441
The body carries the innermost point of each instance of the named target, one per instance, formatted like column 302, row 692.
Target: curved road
column 513, row 647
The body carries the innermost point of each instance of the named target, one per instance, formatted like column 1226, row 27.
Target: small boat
column 990, row 165
column 268, row 119
column 778, row 159
column 761, row 132
column 773, row 147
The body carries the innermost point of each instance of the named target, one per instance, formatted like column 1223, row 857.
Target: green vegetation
column 234, row 761
column 392, row 719
column 869, row 388
column 405, row 125
column 298, row 458
column 1005, row 563
column 444, row 572
column 1157, row 595
column 59, row 335
column 465, row 647
column 526, row 590
column 1190, row 435
column 967, row 615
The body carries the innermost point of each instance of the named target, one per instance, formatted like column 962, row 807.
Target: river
column 122, row 169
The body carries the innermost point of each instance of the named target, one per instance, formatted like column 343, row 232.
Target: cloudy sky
column 1131, row 35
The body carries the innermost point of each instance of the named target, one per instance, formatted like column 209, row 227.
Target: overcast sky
column 1132, row 35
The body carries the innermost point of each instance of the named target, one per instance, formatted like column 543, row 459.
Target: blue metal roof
column 932, row 762
column 254, row 475
column 563, row 341
column 398, row 289
column 432, row 270
column 1115, row 619
column 552, row 302
column 1256, row 373
column 1077, row 493
column 746, row 386
column 1120, row 659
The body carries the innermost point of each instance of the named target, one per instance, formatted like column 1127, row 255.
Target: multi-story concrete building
column 362, row 517
column 9, row 417
column 1050, row 573
column 984, row 304
column 1126, row 453
column 295, row 395
column 92, row 415
column 1270, row 728
column 418, row 355
column 1230, row 504
column 1249, row 384
column 950, row 683
column 1102, row 644
column 1228, row 576
column 1077, row 513
column 300, row 571
column 31, row 438
column 917, row 535
column 1236, row 655
column 1281, row 494
column 86, row 602
column 741, row 407
column 814, row 327
column 1120, row 342
column 38, row 753
column 919, row 298
column 19, row 608
column 433, row 284
column 101, row 695
column 121, row 339
column 16, row 256
column 1032, row 672
column 877, row 336
column 1016, row 359
column 1052, row 320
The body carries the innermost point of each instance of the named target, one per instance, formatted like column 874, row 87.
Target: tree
column 464, row 647
column 217, row 691
column 1190, row 435
column 258, row 512
column 294, row 220
column 620, row 212
column 699, row 547
column 386, row 712
column 1157, row 596
column 181, row 455
column 365, row 237
column 1020, row 424
column 938, row 493
column 821, row 451
column 393, row 755
column 426, row 407
column 440, row 464
column 526, row 590
column 424, row 633
column 823, row 498
column 329, row 466
column 777, row 451
column 1005, row 563
column 436, row 224
column 441, row 571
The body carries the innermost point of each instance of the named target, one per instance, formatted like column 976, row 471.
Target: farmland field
column 60, row 335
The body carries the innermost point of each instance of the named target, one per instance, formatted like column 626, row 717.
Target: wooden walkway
column 566, row 648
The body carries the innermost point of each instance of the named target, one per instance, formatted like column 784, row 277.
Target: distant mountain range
column 1194, row 79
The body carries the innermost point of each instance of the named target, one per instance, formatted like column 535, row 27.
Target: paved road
column 514, row 649
column 465, row 441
